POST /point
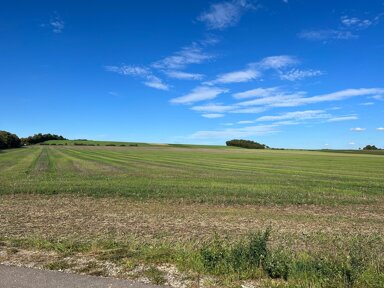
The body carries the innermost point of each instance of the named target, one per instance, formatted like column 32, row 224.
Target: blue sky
column 293, row 73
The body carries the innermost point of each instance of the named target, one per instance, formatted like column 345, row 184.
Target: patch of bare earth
column 87, row 218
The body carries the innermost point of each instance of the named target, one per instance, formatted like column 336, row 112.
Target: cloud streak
column 349, row 28
column 296, row 115
column 299, row 99
column 140, row 72
column 224, row 14
column 239, row 76
column 342, row 118
column 358, row 129
column 198, row 94
column 188, row 55
column 326, row 34
column 213, row 115
column 255, row 70
column 296, row 74
column 184, row 75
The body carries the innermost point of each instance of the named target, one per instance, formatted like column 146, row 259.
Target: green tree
column 9, row 140
column 370, row 147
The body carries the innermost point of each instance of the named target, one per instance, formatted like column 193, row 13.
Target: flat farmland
column 178, row 215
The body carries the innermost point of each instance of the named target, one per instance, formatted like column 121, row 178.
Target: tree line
column 246, row 144
column 10, row 140
column 38, row 138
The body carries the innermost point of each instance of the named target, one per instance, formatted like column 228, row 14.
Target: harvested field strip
column 42, row 163
column 248, row 163
column 14, row 160
column 80, row 164
column 233, row 176
column 188, row 167
column 122, row 162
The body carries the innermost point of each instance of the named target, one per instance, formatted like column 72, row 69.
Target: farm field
column 184, row 215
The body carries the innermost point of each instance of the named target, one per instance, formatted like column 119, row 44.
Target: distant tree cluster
column 38, row 138
column 370, row 147
column 246, row 144
column 9, row 140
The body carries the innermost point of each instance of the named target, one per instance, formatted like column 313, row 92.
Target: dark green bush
column 220, row 257
column 277, row 264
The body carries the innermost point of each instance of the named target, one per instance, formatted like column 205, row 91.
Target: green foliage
column 245, row 256
column 246, row 144
column 370, row 147
column 277, row 264
column 9, row 140
column 39, row 138
column 228, row 260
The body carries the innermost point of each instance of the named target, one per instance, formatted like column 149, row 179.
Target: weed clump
column 244, row 258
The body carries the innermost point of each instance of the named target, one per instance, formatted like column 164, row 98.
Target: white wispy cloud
column 277, row 62
column 129, row 70
column 213, row 115
column 193, row 54
column 342, row 118
column 378, row 97
column 296, row 115
column 112, row 93
column 224, row 14
column 358, row 23
column 325, row 34
column 298, row 98
column 57, row 24
column 349, row 28
column 242, row 132
column 200, row 93
column 254, row 70
column 236, row 77
column 251, row 110
column 213, row 108
column 258, row 92
column 367, row 103
column 245, row 122
column 141, row 72
column 358, row 129
column 184, row 75
column 156, row 83
column 220, row 108
column 380, row 129
column 296, row 74
column 281, row 99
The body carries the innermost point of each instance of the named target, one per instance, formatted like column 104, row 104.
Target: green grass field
column 193, row 207
column 227, row 176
